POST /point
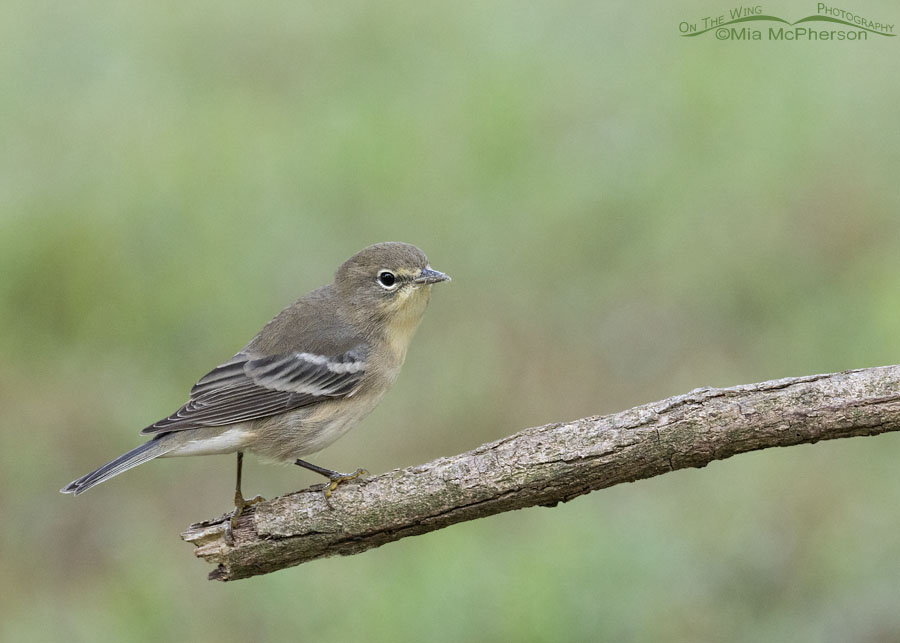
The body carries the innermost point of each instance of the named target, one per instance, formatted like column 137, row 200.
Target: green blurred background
column 626, row 214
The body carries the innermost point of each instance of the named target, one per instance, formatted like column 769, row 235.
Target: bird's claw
column 340, row 478
column 240, row 503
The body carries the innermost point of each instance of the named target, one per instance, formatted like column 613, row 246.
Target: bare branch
column 551, row 464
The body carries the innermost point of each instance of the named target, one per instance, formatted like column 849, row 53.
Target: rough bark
column 550, row 464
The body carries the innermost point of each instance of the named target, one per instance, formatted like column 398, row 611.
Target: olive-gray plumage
column 321, row 365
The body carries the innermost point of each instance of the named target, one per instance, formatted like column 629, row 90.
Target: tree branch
column 551, row 464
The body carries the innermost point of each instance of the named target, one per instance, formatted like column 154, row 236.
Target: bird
column 309, row 376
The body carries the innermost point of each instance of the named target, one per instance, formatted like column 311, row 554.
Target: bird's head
column 387, row 286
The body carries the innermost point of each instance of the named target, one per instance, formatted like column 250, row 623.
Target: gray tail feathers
column 147, row 451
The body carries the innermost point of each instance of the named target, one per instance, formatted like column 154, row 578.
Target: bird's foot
column 339, row 478
column 240, row 503
column 335, row 476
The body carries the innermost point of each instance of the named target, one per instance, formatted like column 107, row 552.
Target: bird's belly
column 309, row 430
column 210, row 440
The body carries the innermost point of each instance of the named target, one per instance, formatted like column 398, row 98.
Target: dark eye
column 387, row 279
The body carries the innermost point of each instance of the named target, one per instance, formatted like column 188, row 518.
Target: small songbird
column 311, row 374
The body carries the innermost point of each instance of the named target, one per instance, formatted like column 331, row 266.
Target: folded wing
column 247, row 388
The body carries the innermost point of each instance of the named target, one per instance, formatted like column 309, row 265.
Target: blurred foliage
column 626, row 214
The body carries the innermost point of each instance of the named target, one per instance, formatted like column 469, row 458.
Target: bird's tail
column 147, row 451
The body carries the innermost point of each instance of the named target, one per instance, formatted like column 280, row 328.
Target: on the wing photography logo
column 744, row 23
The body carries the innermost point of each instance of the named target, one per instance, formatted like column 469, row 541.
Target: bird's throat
column 405, row 321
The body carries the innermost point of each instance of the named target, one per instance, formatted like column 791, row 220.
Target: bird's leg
column 239, row 502
column 335, row 476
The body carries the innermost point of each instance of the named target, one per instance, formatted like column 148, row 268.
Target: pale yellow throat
column 407, row 310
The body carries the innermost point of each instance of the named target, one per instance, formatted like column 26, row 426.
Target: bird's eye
column 387, row 279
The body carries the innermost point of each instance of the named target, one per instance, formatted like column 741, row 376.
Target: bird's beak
column 429, row 276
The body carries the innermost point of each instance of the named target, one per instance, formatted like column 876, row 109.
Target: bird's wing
column 248, row 388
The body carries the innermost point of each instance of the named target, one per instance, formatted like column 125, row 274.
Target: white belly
column 211, row 441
